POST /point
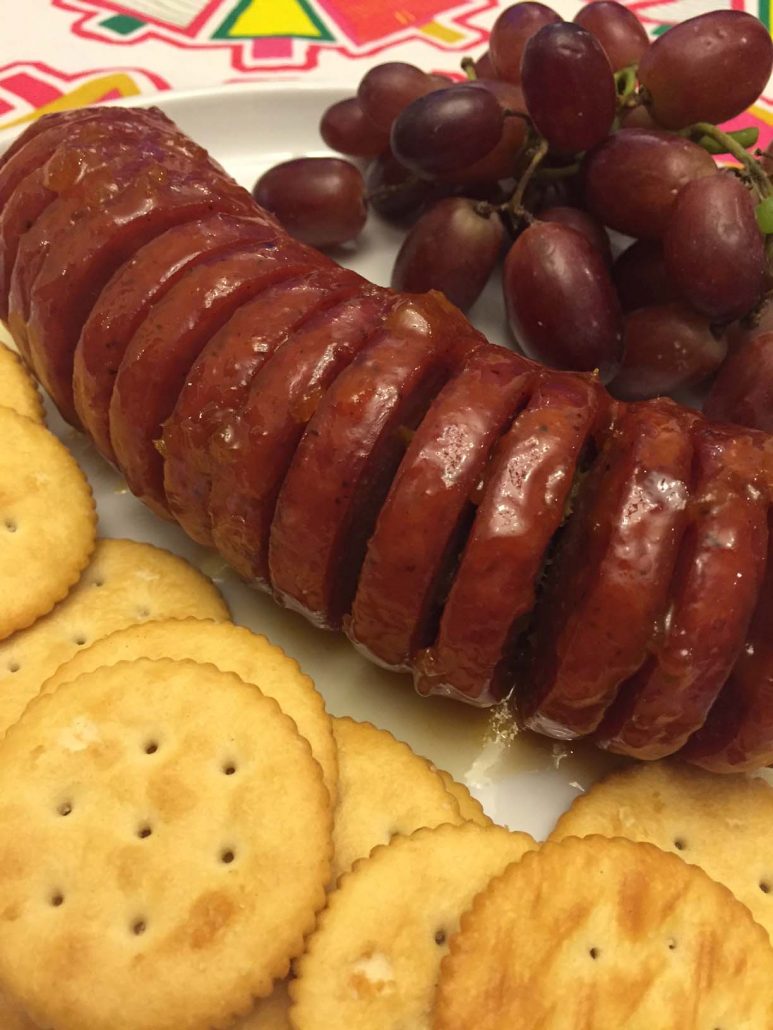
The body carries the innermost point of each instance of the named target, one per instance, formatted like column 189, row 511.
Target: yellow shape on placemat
column 442, row 32
column 279, row 18
column 81, row 96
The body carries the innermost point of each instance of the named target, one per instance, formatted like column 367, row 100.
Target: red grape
column 386, row 89
column 707, row 69
column 484, row 67
column 447, row 129
column 511, row 32
column 619, row 31
column 639, row 117
column 498, row 163
column 396, row 193
column 319, row 200
column 666, row 347
column 453, row 247
column 743, row 390
column 632, row 179
column 346, row 128
column 713, row 248
column 568, row 86
column 560, row 301
column 582, row 222
column 641, row 278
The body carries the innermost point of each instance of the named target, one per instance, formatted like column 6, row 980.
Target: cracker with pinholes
column 374, row 959
column 17, row 387
column 271, row 1013
column 722, row 823
column 12, row 1018
column 165, row 842
column 232, row 649
column 599, row 932
column 126, row 582
column 469, row 807
column 383, row 789
column 47, row 521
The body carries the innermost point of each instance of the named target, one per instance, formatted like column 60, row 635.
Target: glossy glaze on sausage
column 499, row 528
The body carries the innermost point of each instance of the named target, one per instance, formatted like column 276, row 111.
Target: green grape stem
column 625, row 85
column 745, row 137
column 538, row 151
column 468, row 67
column 730, row 145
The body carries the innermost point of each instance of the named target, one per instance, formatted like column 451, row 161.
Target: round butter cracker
column 232, row 649
column 17, row 387
column 12, row 1019
column 469, row 807
column 271, row 1013
column 165, row 839
column 724, row 824
column 383, row 789
column 126, row 582
column 375, row 956
column 47, row 521
column 605, row 933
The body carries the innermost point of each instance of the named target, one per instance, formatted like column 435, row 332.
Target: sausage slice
column 350, row 451
column 523, row 503
column 715, row 588
column 200, row 433
column 608, row 586
column 428, row 510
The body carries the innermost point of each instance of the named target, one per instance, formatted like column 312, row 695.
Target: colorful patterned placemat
column 65, row 53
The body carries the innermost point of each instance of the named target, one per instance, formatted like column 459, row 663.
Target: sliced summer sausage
column 350, row 451
column 200, row 433
column 422, row 526
column 125, row 302
column 608, row 586
column 522, row 505
column 713, row 595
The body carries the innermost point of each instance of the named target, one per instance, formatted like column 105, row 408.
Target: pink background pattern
column 60, row 53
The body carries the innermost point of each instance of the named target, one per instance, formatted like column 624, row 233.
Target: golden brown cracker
column 383, row 789
column 596, row 932
column 232, row 649
column 165, row 839
column 18, row 390
column 722, row 823
column 12, row 1019
column 47, row 521
column 271, row 1013
column 374, row 958
column 126, row 582
column 469, row 807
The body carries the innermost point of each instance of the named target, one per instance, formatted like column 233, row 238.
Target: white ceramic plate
column 523, row 781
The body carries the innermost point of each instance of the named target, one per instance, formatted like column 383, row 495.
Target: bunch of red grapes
column 563, row 131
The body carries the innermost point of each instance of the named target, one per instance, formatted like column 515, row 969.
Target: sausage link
column 422, row 525
column 523, row 502
column 351, row 449
column 321, row 379
column 715, row 588
column 263, row 437
column 608, row 585
column 198, row 433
